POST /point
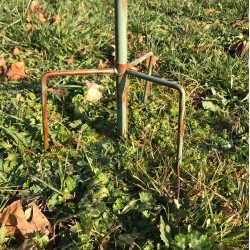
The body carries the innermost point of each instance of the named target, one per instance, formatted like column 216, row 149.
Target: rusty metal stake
column 121, row 70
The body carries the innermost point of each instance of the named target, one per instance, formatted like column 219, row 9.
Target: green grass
column 105, row 193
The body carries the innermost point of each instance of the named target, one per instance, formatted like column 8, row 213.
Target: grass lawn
column 101, row 192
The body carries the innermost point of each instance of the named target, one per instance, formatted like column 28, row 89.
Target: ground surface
column 103, row 193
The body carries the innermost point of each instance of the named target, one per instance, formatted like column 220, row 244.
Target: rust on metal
column 124, row 5
column 125, row 94
column 63, row 73
column 121, row 68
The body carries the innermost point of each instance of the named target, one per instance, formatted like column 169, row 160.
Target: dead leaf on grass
column 22, row 225
column 57, row 91
column 140, row 39
column 3, row 63
column 16, row 51
column 41, row 18
column 103, row 65
column 40, row 221
column 56, row 19
column 154, row 59
column 34, row 6
column 243, row 48
column 14, row 208
column 70, row 60
column 17, row 71
column 240, row 22
column 135, row 68
column 28, row 17
column 209, row 10
column 239, row 48
column 3, row 68
column 18, row 96
column 30, row 28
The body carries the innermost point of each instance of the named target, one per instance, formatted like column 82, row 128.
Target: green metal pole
column 121, row 65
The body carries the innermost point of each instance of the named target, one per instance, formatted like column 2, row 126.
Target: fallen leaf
column 56, row 19
column 22, row 225
column 29, row 27
column 3, row 63
column 240, row 22
column 70, row 60
column 16, row 51
column 24, row 229
column 141, row 38
column 57, row 91
column 39, row 220
column 93, row 93
column 41, row 18
column 239, row 48
column 103, row 65
column 243, row 48
column 14, row 208
column 210, row 10
column 18, row 96
column 57, row 144
column 135, row 69
column 34, row 6
column 17, row 71
column 28, row 17
column 3, row 68
column 154, row 59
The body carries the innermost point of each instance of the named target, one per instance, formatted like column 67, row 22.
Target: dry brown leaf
column 141, row 38
column 241, row 48
column 17, row 71
column 70, row 60
column 240, row 22
column 39, row 220
column 103, row 65
column 23, row 225
column 3, row 68
column 135, row 69
column 57, row 91
column 57, row 144
column 56, row 19
column 41, row 18
column 24, row 228
column 28, row 17
column 29, row 27
column 34, row 6
column 154, row 59
column 16, row 51
column 210, row 10
column 13, row 209
column 18, row 96
column 3, row 63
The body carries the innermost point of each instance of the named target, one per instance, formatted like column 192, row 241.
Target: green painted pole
column 121, row 65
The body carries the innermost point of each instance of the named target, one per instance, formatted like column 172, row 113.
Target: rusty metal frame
column 121, row 70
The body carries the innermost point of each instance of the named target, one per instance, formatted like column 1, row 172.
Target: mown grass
column 106, row 193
